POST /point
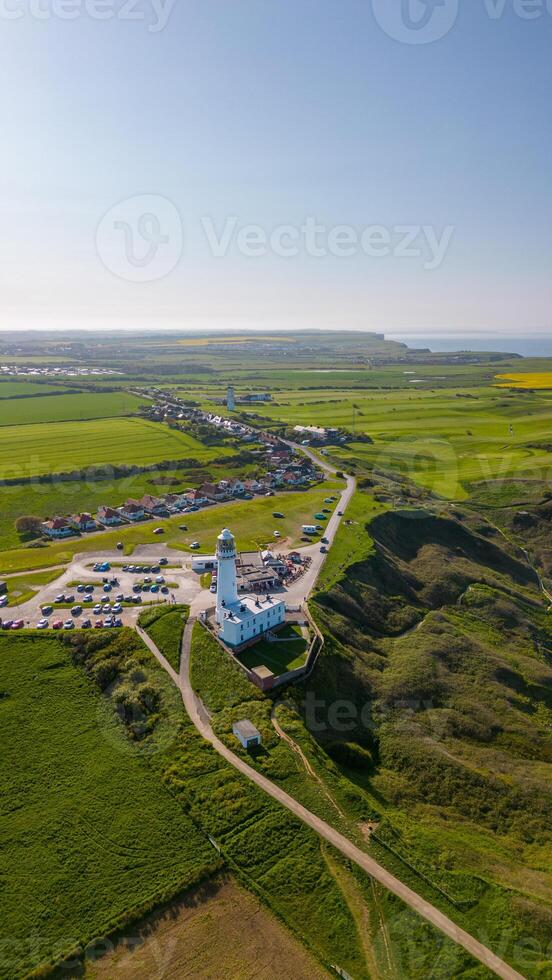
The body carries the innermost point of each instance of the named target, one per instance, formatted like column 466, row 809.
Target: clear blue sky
column 273, row 112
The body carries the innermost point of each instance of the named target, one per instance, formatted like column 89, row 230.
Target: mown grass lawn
column 250, row 520
column 21, row 588
column 442, row 438
column 279, row 657
column 67, row 407
column 89, row 835
column 30, row 450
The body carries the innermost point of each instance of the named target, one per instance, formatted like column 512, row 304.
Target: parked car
column 3, row 601
column 159, row 530
column 69, row 599
column 340, row 513
column 163, row 561
column 155, row 569
column 86, row 624
column 120, row 546
column 137, row 588
column 120, row 597
column 98, row 625
column 213, row 587
column 107, row 587
column 97, row 610
column 137, row 600
column 58, row 624
column 164, row 589
column 60, row 597
column 46, row 610
column 117, row 622
column 195, row 545
column 80, row 588
column 146, row 587
column 323, row 549
column 108, row 623
column 324, row 540
column 7, row 624
column 68, row 624
column 154, row 588
column 17, row 624
column 106, row 608
column 147, row 580
column 278, row 515
column 160, row 579
column 89, row 588
column 76, row 610
column 277, row 534
column 117, row 608
column 42, row 624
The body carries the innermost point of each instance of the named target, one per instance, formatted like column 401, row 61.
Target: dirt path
column 200, row 718
column 198, row 715
column 309, row 769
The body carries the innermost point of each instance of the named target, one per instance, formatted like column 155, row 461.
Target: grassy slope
column 60, row 408
column 21, row 588
column 459, row 720
column 230, row 697
column 165, row 627
column 251, row 521
column 89, row 835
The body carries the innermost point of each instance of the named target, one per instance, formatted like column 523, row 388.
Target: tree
column 30, row 526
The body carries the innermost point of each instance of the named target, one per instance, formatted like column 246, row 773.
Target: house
column 291, row 478
column 83, row 523
column 252, row 486
column 235, row 487
column 212, row 492
column 246, row 733
column 152, row 505
column 196, row 498
column 132, row 511
column 108, row 516
column 58, row 527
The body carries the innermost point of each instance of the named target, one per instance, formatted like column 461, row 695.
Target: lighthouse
column 230, row 399
column 227, row 586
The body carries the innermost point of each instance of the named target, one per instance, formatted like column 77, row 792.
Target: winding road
column 200, row 718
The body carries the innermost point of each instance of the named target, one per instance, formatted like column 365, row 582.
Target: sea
column 528, row 346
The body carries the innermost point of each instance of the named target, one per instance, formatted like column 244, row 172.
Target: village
column 285, row 469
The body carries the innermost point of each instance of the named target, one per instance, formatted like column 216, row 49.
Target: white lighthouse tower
column 227, row 586
column 230, row 399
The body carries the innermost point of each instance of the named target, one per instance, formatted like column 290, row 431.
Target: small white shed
column 246, row 733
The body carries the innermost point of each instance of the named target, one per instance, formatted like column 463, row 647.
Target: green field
column 442, row 439
column 61, row 408
column 89, row 836
column 66, row 446
column 251, row 521
column 10, row 388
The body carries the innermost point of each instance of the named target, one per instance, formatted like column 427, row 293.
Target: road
column 200, row 718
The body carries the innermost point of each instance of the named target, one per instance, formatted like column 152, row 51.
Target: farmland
column 30, row 450
column 76, row 860
column 9, row 389
column 61, row 407
column 442, row 439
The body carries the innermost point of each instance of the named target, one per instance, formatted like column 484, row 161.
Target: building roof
column 249, row 605
column 246, row 729
column 264, row 673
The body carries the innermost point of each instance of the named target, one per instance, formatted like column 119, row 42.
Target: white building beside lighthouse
column 241, row 618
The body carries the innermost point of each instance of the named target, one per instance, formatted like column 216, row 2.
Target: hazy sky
column 396, row 181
